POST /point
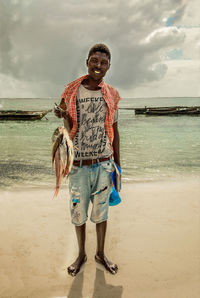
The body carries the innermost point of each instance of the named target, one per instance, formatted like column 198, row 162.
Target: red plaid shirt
column 110, row 95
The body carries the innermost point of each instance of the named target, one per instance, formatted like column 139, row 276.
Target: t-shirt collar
column 101, row 84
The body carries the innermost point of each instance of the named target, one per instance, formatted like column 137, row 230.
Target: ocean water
column 152, row 148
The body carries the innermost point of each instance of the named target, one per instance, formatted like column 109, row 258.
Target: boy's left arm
column 116, row 144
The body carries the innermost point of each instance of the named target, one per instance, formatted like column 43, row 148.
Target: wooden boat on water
column 22, row 115
column 168, row 111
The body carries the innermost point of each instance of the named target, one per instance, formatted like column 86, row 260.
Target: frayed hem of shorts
column 100, row 221
column 78, row 224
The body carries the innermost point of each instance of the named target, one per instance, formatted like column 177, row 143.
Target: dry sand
column 153, row 235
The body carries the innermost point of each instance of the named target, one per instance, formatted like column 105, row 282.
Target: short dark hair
column 100, row 47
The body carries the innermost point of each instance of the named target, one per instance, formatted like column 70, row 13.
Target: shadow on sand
column 101, row 288
column 77, row 287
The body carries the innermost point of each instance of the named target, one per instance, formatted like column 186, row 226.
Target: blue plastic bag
column 117, row 184
column 114, row 198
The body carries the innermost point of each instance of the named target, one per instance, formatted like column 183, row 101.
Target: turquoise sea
column 152, row 148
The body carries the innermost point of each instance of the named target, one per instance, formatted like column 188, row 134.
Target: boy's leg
column 79, row 202
column 101, row 193
column 100, row 256
column 74, row 268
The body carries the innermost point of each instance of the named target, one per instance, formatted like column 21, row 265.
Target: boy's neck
column 90, row 84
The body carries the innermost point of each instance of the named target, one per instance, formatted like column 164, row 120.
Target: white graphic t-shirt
column 91, row 140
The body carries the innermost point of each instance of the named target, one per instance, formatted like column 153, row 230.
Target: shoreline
column 125, row 181
column 153, row 236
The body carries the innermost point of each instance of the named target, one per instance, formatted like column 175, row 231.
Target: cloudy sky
column 155, row 45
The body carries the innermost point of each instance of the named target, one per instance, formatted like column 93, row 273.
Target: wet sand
column 153, row 235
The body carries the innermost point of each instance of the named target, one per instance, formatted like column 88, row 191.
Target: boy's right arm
column 60, row 110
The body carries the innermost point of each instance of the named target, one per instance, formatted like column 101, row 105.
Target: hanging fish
column 62, row 155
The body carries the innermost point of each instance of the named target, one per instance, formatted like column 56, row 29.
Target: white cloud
column 190, row 45
column 181, row 79
column 44, row 44
column 191, row 16
column 164, row 36
column 11, row 87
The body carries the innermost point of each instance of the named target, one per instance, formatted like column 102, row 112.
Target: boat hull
column 168, row 111
column 22, row 115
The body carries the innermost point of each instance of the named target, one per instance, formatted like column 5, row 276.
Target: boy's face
column 98, row 64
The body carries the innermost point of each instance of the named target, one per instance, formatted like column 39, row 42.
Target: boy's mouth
column 97, row 71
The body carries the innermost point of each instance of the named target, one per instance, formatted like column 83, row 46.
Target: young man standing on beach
column 91, row 107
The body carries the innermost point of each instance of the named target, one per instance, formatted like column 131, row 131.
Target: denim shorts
column 90, row 183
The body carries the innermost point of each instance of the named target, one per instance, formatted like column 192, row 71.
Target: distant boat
column 168, row 111
column 22, row 115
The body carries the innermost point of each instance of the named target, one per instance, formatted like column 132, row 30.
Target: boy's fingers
column 57, row 113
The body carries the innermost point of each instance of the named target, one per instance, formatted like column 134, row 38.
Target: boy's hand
column 60, row 111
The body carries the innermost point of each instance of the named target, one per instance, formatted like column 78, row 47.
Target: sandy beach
column 153, row 235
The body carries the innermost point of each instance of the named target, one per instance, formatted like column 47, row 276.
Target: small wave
column 140, row 180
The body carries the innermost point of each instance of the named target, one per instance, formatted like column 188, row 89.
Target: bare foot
column 108, row 265
column 74, row 268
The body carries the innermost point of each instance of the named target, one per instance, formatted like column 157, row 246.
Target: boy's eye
column 94, row 60
column 104, row 63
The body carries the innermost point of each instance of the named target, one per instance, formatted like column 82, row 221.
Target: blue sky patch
column 175, row 54
column 170, row 22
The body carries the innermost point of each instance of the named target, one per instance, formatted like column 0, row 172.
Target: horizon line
column 121, row 97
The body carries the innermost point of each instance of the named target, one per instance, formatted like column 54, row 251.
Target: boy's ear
column 87, row 62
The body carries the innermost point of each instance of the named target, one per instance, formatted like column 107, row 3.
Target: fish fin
column 56, row 191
